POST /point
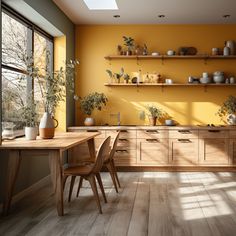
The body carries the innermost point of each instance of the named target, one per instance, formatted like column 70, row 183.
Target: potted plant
column 129, row 43
column 91, row 102
column 126, row 78
column 53, row 88
column 155, row 113
column 110, row 74
column 30, row 118
column 228, row 110
column 119, row 75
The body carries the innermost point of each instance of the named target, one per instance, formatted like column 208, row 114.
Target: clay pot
column 152, row 120
column 31, row 133
column 89, row 121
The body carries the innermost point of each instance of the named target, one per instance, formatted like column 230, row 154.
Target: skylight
column 101, row 4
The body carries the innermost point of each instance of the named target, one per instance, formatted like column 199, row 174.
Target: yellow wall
column 59, row 61
column 186, row 105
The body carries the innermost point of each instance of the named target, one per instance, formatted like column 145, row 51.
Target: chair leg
column 80, row 185
column 115, row 172
column 98, row 176
column 64, row 181
column 72, row 182
column 92, row 182
column 109, row 167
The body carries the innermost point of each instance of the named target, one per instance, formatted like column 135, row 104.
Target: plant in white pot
column 228, row 110
column 54, row 86
column 30, row 117
column 89, row 103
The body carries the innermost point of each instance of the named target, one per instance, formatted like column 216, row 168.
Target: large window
column 23, row 44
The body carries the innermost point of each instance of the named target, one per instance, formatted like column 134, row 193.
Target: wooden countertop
column 161, row 127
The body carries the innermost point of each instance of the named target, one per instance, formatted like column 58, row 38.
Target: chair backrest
column 102, row 152
column 114, row 145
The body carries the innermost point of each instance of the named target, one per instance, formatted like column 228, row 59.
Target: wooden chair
column 110, row 164
column 90, row 172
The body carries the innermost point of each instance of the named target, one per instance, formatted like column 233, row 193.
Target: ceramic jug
column 47, row 126
column 231, row 45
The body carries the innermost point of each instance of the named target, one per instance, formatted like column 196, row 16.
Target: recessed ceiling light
column 101, row 4
column 116, row 16
column 161, row 16
column 226, row 16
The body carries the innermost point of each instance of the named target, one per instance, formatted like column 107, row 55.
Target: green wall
column 35, row 168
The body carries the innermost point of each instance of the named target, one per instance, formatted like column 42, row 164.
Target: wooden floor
column 149, row 203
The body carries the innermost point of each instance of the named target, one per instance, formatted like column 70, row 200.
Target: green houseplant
column 154, row 113
column 228, row 110
column 91, row 102
column 30, row 117
column 129, row 43
column 54, row 86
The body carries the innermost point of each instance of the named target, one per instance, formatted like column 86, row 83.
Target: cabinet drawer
column 152, row 133
column 183, row 134
column 183, row 151
column 129, row 143
column 125, row 157
column 152, row 151
column 123, row 133
column 232, row 134
column 213, row 133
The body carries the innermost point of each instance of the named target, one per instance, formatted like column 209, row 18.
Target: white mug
column 169, row 81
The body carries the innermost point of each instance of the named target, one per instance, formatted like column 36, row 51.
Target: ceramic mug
column 170, row 52
column 169, row 81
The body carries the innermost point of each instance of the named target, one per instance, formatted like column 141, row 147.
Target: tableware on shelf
column 215, row 51
column 231, row 45
column 205, row 80
column 232, row 80
column 190, row 79
column 169, row 81
column 205, row 75
column 226, row 51
column 170, row 52
column 155, row 53
column 218, row 77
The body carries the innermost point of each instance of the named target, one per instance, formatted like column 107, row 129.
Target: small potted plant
column 110, row 74
column 119, row 75
column 228, row 110
column 30, row 117
column 129, row 43
column 91, row 102
column 155, row 113
column 126, row 78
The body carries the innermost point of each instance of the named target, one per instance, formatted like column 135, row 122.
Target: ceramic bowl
column 219, row 79
column 169, row 122
column 205, row 80
column 170, row 52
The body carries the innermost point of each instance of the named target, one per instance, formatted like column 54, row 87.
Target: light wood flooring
column 149, row 203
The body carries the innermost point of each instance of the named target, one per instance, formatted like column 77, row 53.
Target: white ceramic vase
column 31, row 133
column 47, row 126
column 231, row 119
column 89, row 121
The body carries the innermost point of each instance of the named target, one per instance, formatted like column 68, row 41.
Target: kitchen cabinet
column 168, row 146
column 214, row 147
column 183, row 147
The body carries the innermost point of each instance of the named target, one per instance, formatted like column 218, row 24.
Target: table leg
column 91, row 146
column 14, row 161
column 55, row 163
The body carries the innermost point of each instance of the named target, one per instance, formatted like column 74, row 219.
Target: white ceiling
column 147, row 11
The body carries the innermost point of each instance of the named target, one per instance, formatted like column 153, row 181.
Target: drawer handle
column 123, row 131
column 214, row 131
column 184, row 140
column 184, row 131
column 152, row 140
column 152, row 131
column 121, row 151
column 123, row 139
column 94, row 130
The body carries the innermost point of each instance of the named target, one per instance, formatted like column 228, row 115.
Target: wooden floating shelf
column 137, row 57
column 167, row 85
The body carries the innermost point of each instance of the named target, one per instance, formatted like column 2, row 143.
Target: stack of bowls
column 218, row 77
column 205, row 78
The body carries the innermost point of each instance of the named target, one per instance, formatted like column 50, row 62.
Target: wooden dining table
column 54, row 148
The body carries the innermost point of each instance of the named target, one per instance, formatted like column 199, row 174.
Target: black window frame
column 35, row 29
